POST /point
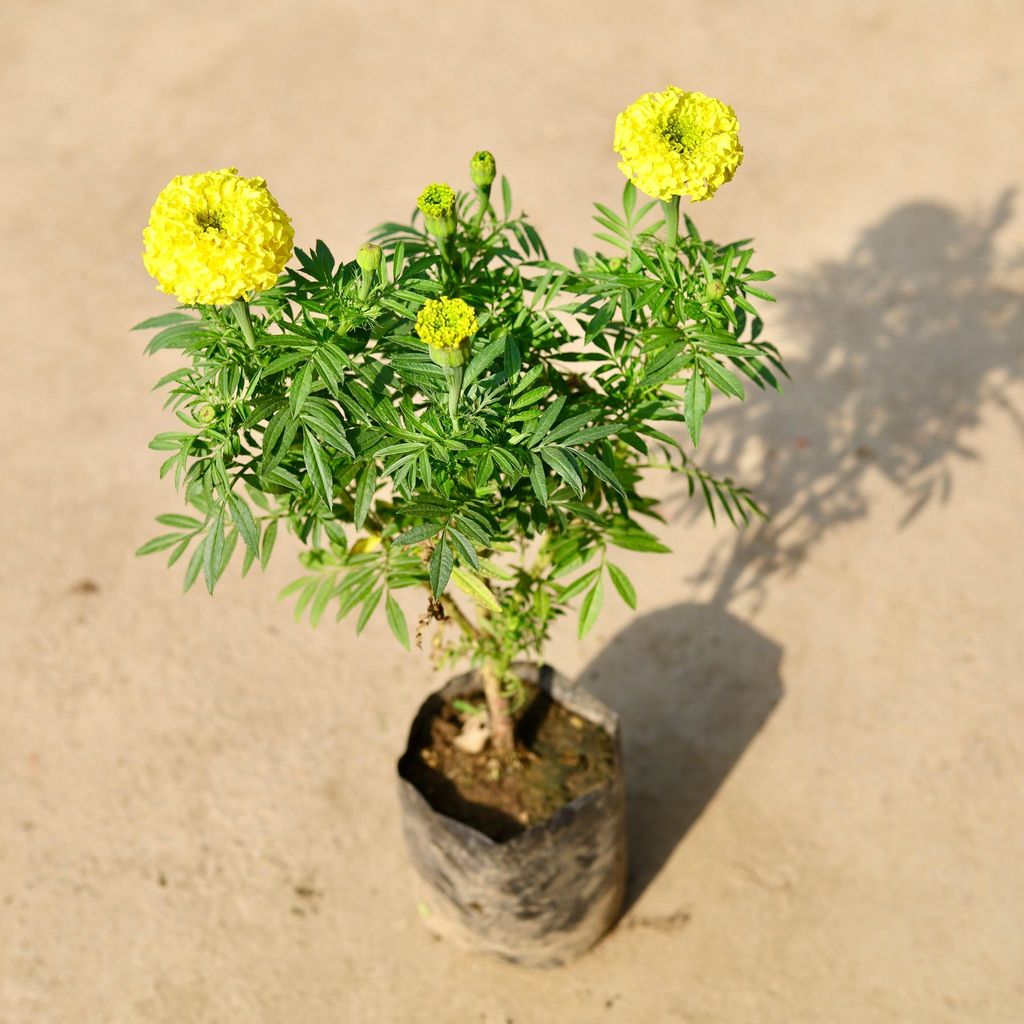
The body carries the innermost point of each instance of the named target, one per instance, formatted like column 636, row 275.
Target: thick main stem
column 502, row 738
column 502, row 734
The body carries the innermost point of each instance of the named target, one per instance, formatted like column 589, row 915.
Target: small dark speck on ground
column 660, row 922
column 309, row 900
column 85, row 587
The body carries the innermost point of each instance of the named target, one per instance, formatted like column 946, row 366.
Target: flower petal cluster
column 214, row 237
column 437, row 200
column 677, row 143
column 446, row 323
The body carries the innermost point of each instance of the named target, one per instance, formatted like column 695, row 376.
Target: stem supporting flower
column 454, row 375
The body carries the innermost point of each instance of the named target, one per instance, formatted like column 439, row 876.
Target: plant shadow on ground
column 894, row 353
column 698, row 686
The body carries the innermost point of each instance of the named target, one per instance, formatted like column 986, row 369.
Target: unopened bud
column 482, row 169
column 205, row 413
column 369, row 257
column 714, row 290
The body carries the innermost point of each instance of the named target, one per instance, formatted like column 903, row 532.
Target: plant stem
column 671, row 208
column 497, row 708
column 502, row 736
column 240, row 309
column 483, row 205
column 454, row 375
column 364, row 285
column 448, row 253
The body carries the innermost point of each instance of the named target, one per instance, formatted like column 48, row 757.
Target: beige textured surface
column 197, row 817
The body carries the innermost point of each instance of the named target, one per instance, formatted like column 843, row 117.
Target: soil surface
column 558, row 756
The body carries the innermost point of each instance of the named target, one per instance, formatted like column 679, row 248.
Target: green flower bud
column 205, row 413
column 714, row 290
column 482, row 169
column 437, row 204
column 369, row 257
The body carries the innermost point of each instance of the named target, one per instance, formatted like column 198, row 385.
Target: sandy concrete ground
column 824, row 717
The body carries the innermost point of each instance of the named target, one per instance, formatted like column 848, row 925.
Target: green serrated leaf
column 725, row 380
column 482, row 360
column 213, row 551
column 317, row 468
column 396, row 620
column 441, row 564
column 561, row 462
column 579, row 584
column 695, row 405
column 417, row 534
column 465, row 547
column 622, row 584
column 590, row 609
column 537, row 480
column 365, row 490
column 269, row 537
column 633, row 538
column 244, row 522
column 369, row 607
column 161, row 543
column 469, row 583
column 301, row 384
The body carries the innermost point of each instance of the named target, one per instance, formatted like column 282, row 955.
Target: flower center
column 683, row 136
column 209, row 221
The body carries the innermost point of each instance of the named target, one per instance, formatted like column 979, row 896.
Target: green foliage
column 332, row 418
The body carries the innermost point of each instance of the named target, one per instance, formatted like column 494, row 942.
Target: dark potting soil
column 558, row 756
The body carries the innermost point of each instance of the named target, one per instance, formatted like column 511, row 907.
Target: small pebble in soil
column 476, row 731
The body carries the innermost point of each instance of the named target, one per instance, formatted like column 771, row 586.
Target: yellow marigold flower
column 214, row 237
column 676, row 143
column 446, row 323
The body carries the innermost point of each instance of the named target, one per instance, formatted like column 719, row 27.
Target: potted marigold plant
column 456, row 414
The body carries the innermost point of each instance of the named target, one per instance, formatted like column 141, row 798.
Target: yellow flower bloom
column 214, row 237
column 676, row 143
column 446, row 323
